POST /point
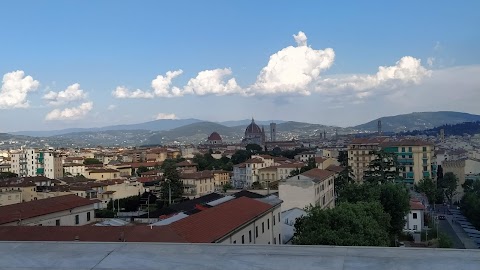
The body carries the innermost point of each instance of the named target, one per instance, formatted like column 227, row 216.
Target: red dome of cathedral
column 214, row 137
column 253, row 128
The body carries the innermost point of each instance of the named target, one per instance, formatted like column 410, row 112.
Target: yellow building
column 102, row 174
column 220, row 178
column 415, row 157
column 198, row 183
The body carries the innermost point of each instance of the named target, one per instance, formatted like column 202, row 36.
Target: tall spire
column 253, row 121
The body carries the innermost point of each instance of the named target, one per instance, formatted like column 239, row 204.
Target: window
column 77, row 219
column 57, row 222
column 403, row 149
column 279, row 239
column 263, row 227
column 414, row 215
column 235, row 241
column 256, row 231
column 278, row 216
column 409, row 149
column 268, row 224
column 250, row 236
column 424, row 149
column 425, row 168
column 274, row 241
column 273, row 221
column 243, row 239
column 88, row 216
column 415, row 227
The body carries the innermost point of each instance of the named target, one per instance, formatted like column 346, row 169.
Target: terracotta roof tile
column 14, row 212
column 318, row 174
column 90, row 233
column 212, row 224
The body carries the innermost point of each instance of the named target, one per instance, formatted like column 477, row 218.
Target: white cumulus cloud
column 70, row 113
column 163, row 116
column 72, row 93
column 123, row 92
column 162, row 84
column 15, row 88
column 293, row 69
column 212, row 82
column 408, row 70
column 300, row 38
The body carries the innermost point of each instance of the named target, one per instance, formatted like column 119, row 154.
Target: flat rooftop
column 87, row 255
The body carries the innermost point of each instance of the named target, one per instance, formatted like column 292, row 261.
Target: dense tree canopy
column 428, row 187
column 208, row 162
column 470, row 204
column 90, row 161
column 344, row 178
column 393, row 197
column 348, row 224
column 5, row 175
column 383, row 168
column 448, row 184
column 343, row 158
column 172, row 182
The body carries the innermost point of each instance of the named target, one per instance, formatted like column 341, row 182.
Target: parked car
column 441, row 217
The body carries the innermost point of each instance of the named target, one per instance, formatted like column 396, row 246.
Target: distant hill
column 156, row 125
column 196, row 132
column 246, row 122
column 470, row 128
column 418, row 121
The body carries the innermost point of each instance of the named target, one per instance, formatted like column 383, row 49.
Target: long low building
column 62, row 255
column 68, row 210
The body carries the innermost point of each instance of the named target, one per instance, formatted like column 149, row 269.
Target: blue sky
column 103, row 45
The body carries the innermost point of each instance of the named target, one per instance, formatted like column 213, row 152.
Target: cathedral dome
column 253, row 128
column 214, row 137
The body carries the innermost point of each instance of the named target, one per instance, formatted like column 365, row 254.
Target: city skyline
column 115, row 63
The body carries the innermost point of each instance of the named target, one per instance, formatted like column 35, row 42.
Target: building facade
column 312, row 188
column 34, row 162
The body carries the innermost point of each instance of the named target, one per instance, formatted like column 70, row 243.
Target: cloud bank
column 294, row 70
column 164, row 116
column 15, row 88
column 72, row 93
column 74, row 113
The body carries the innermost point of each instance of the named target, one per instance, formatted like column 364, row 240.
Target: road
column 459, row 238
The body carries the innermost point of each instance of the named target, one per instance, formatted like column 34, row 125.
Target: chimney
column 77, row 238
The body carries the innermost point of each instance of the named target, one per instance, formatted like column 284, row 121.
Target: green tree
column 253, row 148
column 359, row 224
column 310, row 165
column 393, row 197
column 344, row 178
column 448, row 184
column 5, row 175
column 141, row 170
column 396, row 202
column 256, row 185
column 383, row 168
column 429, row 188
column 226, row 187
column 240, row 156
column 90, row 161
column 343, row 158
column 172, row 185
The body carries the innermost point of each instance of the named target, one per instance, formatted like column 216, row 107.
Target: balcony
column 40, row 171
column 410, row 175
column 426, row 174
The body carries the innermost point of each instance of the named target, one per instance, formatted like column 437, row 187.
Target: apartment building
column 312, row 188
column 360, row 154
column 220, row 179
column 197, row 184
column 74, row 169
column 415, row 157
column 34, row 162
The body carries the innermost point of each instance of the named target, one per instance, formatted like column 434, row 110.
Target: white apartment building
column 74, row 169
column 34, row 162
column 311, row 188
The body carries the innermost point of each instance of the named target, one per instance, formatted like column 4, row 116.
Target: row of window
column 263, row 231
